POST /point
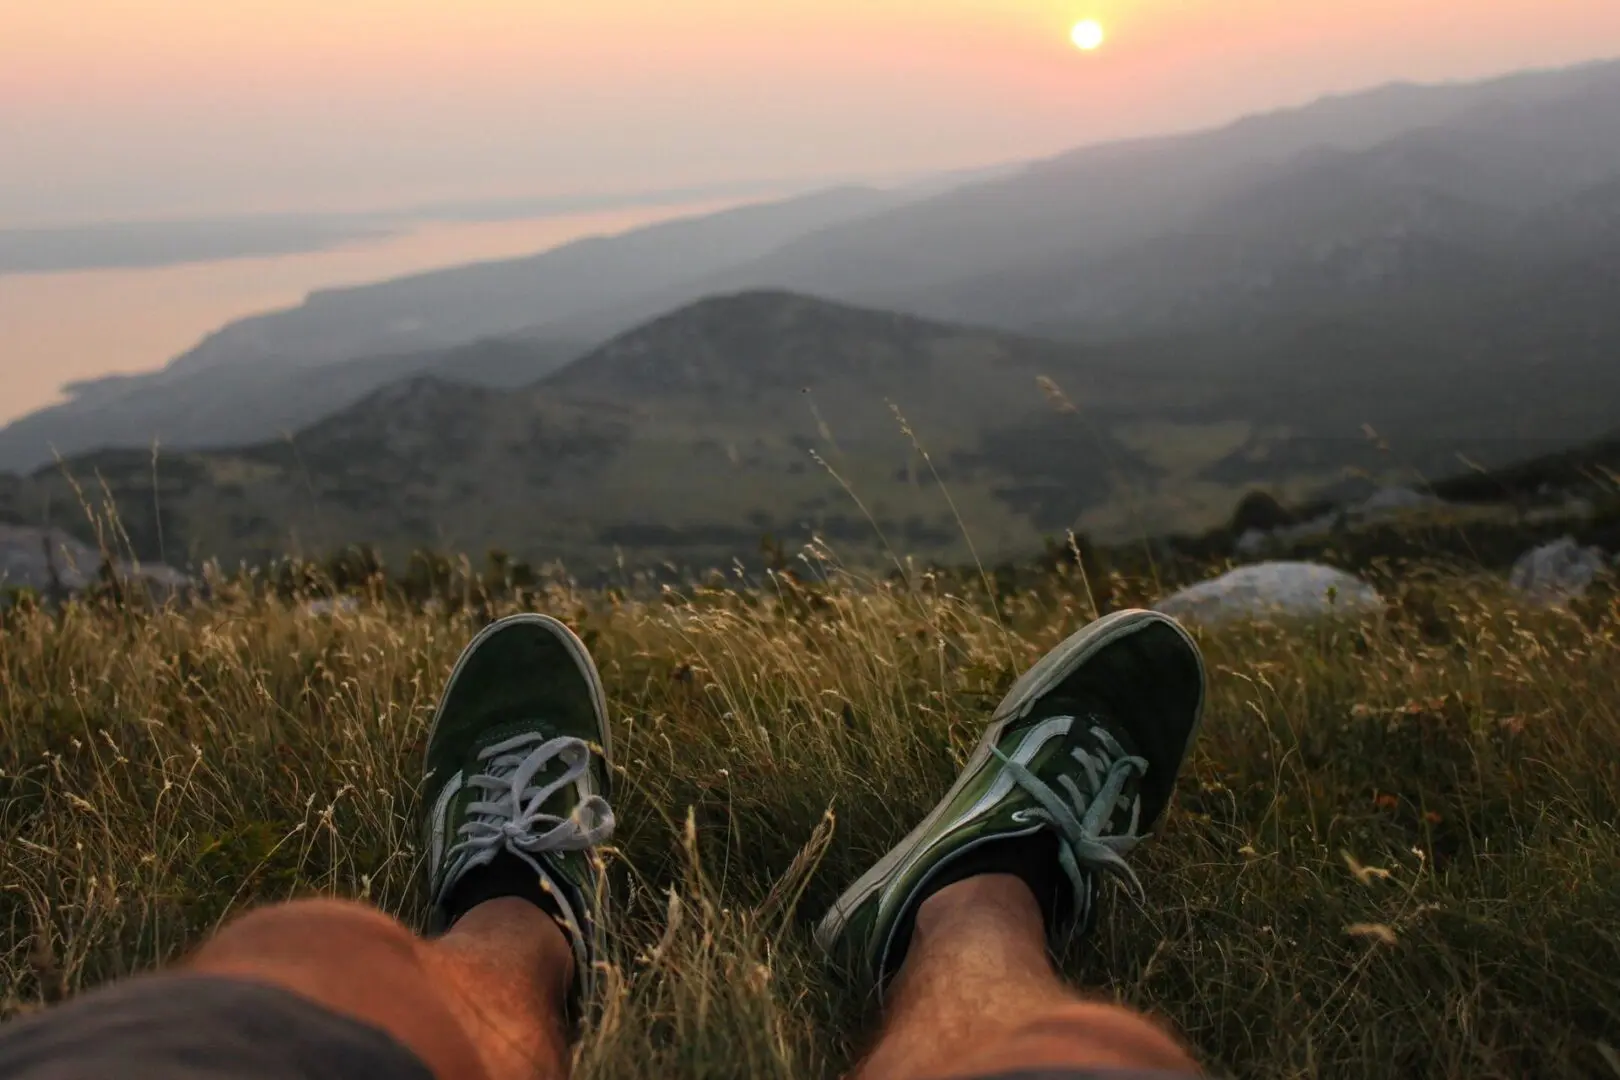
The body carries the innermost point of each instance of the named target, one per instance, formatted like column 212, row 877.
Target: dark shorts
column 196, row 1028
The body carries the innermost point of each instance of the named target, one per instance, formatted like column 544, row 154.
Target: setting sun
column 1087, row 35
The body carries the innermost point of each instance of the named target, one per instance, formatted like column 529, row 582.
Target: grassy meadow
column 1394, row 853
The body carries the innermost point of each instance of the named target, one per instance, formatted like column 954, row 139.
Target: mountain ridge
column 687, row 439
column 235, row 369
column 1126, row 239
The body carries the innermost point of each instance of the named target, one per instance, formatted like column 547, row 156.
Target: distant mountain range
column 101, row 245
column 1120, row 340
column 1331, row 209
column 688, row 440
column 261, row 376
column 237, row 404
column 1350, row 201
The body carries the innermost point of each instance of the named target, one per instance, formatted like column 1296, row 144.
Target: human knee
column 1094, row 1034
column 351, row 960
column 313, row 931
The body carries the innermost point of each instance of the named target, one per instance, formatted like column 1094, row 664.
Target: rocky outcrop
column 52, row 563
column 1289, row 589
column 1559, row 571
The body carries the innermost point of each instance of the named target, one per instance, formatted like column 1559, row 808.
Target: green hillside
column 688, row 441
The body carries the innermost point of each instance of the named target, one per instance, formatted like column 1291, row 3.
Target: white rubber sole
column 1034, row 684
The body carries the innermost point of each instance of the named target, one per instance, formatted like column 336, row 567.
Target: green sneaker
column 517, row 762
column 1085, row 747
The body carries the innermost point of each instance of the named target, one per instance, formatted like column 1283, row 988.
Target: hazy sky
column 114, row 109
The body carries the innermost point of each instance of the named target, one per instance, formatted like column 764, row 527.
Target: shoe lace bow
column 510, row 815
column 1083, row 813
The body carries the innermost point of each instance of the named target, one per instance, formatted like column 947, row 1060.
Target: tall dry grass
column 1393, row 854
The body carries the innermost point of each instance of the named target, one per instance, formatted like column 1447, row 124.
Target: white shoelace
column 1080, row 822
column 510, row 815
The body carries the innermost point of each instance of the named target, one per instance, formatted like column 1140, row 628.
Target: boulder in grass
column 1556, row 572
column 1273, row 589
column 50, row 562
column 43, row 560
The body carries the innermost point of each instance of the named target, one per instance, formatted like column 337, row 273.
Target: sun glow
column 1087, row 35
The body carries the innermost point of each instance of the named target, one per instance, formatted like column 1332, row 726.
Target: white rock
column 1557, row 571
column 34, row 558
column 40, row 559
column 1293, row 589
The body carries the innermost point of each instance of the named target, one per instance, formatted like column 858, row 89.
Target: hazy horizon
column 185, row 111
column 147, row 313
column 144, row 317
column 185, row 108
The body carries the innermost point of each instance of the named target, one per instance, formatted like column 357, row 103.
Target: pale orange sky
column 127, row 108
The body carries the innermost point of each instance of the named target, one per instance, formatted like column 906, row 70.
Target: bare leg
column 977, row 996
column 484, row 1002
